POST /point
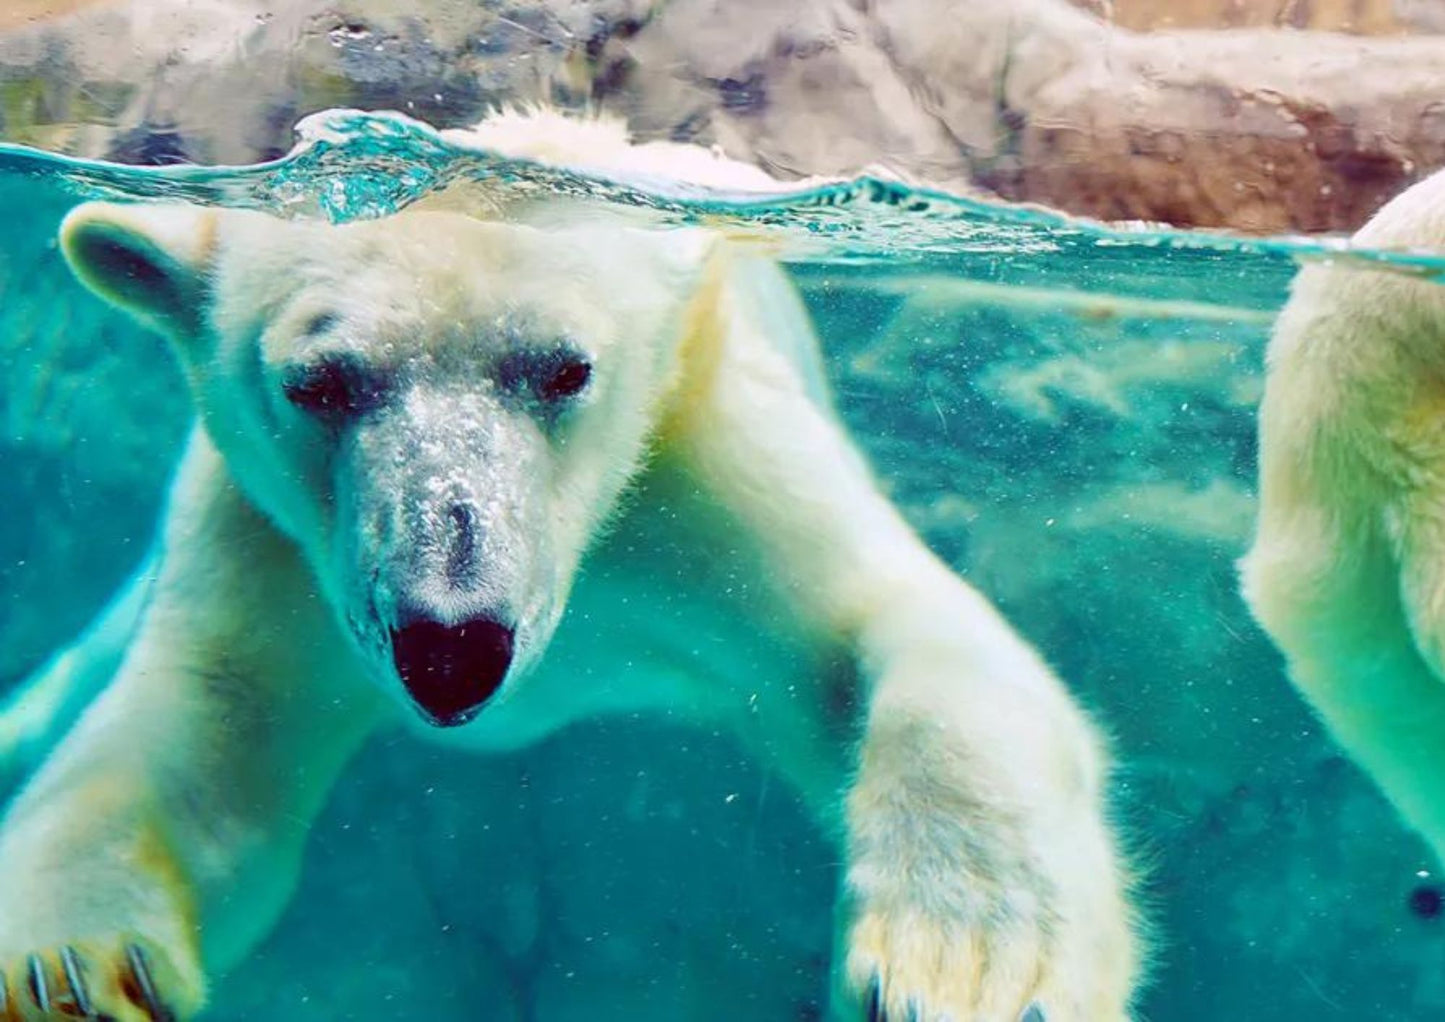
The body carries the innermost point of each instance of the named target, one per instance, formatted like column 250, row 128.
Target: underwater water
column 1063, row 410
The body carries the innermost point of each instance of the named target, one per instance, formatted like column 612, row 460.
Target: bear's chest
column 677, row 614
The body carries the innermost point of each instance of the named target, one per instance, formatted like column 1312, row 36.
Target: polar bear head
column 439, row 411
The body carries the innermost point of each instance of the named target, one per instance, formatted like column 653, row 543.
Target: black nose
column 451, row 670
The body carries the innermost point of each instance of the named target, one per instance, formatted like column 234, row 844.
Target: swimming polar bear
column 420, row 440
column 1347, row 569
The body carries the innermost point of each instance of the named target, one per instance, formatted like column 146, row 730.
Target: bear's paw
column 988, row 931
column 120, row 979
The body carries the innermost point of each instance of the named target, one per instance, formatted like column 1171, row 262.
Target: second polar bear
column 500, row 477
column 1347, row 570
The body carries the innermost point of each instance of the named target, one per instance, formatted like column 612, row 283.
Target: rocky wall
column 1033, row 100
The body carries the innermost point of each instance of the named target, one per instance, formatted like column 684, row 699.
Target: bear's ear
column 150, row 260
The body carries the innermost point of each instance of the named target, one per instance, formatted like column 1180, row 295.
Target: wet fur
column 981, row 876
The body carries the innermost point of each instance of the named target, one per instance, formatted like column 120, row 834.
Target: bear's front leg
column 982, row 883
column 164, row 835
column 97, row 916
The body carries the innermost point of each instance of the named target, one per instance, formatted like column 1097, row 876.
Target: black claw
column 75, row 979
column 1033, row 1013
column 141, row 970
column 875, row 1003
column 39, row 985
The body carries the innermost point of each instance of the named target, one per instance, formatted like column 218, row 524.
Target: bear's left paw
column 906, row 967
column 988, row 933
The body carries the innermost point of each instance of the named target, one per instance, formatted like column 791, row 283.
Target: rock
column 1035, row 100
column 1365, row 17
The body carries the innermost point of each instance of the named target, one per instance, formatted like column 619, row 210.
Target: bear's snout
column 452, row 670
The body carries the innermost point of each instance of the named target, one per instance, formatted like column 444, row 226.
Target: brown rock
column 1366, row 17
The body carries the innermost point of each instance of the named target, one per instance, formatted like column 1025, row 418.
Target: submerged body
column 608, row 453
column 1347, row 569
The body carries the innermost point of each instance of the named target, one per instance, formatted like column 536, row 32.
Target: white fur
column 600, row 146
column 723, row 552
column 1347, row 571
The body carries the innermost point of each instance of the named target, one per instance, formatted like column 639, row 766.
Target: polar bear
column 1347, row 569
column 490, row 477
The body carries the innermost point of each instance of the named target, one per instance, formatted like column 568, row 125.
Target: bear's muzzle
column 450, row 671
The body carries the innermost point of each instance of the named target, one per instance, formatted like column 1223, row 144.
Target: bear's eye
column 321, row 323
column 336, row 387
column 566, row 380
column 550, row 377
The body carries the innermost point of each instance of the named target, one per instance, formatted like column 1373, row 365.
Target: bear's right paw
column 118, row 980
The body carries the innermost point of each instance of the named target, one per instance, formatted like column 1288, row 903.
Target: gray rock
column 1031, row 100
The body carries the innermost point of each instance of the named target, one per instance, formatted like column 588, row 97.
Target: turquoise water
column 1064, row 410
